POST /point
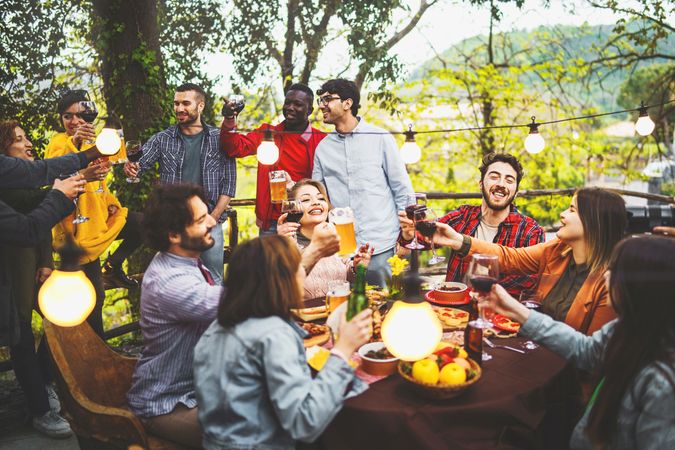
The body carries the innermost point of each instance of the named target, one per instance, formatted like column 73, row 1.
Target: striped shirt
column 219, row 172
column 177, row 305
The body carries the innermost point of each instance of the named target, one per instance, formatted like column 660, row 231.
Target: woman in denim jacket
column 633, row 406
column 253, row 385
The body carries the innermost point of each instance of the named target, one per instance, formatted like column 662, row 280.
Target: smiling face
column 188, row 107
column 499, row 185
column 314, row 203
column 297, row 108
column 21, row 147
column 572, row 230
column 196, row 238
column 333, row 108
column 71, row 118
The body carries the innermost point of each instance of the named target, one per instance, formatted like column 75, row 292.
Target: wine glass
column 415, row 202
column 425, row 223
column 531, row 299
column 294, row 210
column 134, row 153
column 234, row 104
column 79, row 218
column 483, row 272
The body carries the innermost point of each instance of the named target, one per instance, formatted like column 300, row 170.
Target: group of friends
column 223, row 362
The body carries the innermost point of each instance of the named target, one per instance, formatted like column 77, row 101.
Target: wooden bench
column 93, row 381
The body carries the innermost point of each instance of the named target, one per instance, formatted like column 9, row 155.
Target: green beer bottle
column 357, row 299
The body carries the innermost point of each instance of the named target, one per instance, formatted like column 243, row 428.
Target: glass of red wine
column 416, row 204
column 293, row 209
column 134, row 153
column 426, row 225
column 79, row 218
column 483, row 272
column 234, row 104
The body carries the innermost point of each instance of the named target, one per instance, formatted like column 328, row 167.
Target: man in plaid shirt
column 189, row 152
column 496, row 219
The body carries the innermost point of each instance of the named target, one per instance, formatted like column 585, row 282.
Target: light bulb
column 410, row 151
column 534, row 143
column 108, row 142
column 644, row 125
column 411, row 331
column 268, row 152
column 67, row 298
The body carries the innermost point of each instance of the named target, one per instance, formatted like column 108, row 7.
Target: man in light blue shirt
column 361, row 167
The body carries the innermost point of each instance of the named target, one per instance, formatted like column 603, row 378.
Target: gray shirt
column 364, row 170
column 177, row 305
column 192, row 170
column 646, row 417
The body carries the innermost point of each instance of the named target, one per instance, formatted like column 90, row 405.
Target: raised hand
column 71, row 187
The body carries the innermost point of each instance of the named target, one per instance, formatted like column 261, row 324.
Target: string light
column 410, row 151
column 534, row 143
column 268, row 152
column 108, row 142
column 644, row 125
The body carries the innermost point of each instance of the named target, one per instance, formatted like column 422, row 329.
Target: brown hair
column 7, row 134
column 261, row 281
column 641, row 286
column 293, row 192
column 168, row 211
column 507, row 158
column 603, row 216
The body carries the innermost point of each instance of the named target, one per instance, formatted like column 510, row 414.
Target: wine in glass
column 234, row 104
column 426, row 225
column 79, row 218
column 416, row 204
column 294, row 210
column 531, row 299
column 483, row 272
column 134, row 153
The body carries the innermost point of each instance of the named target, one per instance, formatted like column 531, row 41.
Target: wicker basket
column 439, row 391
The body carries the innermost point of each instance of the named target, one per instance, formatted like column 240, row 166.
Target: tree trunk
column 125, row 34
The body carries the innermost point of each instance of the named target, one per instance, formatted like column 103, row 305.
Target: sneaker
column 114, row 277
column 54, row 403
column 52, row 425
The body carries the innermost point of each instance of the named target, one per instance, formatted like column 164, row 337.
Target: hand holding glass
column 415, row 204
column 483, row 272
column 343, row 219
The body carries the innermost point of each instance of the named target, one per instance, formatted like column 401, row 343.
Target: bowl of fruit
column 446, row 373
column 376, row 359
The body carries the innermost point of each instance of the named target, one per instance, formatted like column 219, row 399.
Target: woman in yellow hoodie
column 108, row 220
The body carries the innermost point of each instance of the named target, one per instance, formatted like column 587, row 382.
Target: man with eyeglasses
column 361, row 167
column 297, row 141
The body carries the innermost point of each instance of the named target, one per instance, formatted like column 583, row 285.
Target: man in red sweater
column 296, row 149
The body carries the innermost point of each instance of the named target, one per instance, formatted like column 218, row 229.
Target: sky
column 446, row 24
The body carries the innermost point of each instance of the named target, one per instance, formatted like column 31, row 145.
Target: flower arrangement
column 398, row 266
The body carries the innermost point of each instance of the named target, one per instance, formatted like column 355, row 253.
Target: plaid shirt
column 516, row 230
column 219, row 172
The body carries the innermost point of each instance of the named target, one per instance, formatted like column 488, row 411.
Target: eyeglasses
column 69, row 116
column 322, row 101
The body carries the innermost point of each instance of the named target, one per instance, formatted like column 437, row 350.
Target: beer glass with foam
column 278, row 186
column 338, row 293
column 343, row 219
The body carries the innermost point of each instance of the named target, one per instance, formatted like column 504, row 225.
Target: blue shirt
column 177, row 305
column 218, row 171
column 255, row 390
column 366, row 173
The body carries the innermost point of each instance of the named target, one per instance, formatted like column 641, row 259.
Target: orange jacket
column 590, row 309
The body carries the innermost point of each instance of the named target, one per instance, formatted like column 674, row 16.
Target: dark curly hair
column 168, row 211
column 507, row 158
column 344, row 89
column 7, row 134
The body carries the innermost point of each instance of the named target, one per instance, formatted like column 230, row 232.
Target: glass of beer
column 343, row 219
column 338, row 293
column 278, row 186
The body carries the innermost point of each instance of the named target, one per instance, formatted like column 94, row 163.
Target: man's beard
column 195, row 243
column 192, row 117
column 497, row 207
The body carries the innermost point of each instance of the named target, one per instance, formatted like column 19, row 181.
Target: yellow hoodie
column 96, row 234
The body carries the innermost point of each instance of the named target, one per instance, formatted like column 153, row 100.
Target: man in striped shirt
column 496, row 219
column 179, row 300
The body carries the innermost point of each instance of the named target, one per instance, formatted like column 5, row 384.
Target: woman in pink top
column 314, row 199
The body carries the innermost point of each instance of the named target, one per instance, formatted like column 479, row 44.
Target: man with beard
column 297, row 141
column 189, row 152
column 361, row 167
column 495, row 220
column 179, row 300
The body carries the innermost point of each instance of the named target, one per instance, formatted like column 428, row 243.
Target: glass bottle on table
column 357, row 299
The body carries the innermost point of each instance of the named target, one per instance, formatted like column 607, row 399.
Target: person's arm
column 18, row 173
column 517, row 283
column 237, row 145
column 151, row 153
column 325, row 242
column 187, row 297
column 655, row 397
column 221, row 206
column 317, row 170
column 396, row 173
column 525, row 260
column 227, row 185
column 30, row 229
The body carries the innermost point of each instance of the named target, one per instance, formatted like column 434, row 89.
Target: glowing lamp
column 410, row 151
column 268, row 152
column 67, row 297
column 108, row 142
column 534, row 143
column 411, row 330
column 644, row 125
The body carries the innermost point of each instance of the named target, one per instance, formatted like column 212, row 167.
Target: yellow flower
column 397, row 265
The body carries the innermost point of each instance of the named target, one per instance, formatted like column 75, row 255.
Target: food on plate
column 452, row 317
column 447, row 365
column 425, row 371
column 313, row 329
column 449, row 287
column 504, row 323
column 452, row 374
column 382, row 353
column 377, row 326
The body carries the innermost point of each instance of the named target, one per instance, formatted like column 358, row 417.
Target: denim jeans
column 213, row 257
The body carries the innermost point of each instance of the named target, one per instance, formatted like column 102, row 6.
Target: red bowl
column 450, row 292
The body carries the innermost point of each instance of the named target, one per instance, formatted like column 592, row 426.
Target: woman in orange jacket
column 570, row 267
